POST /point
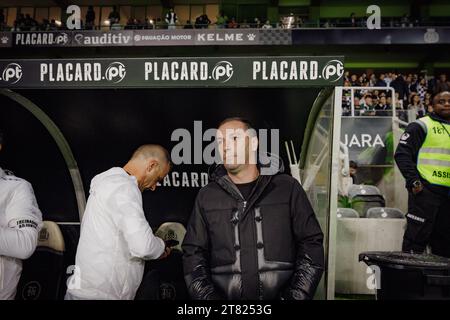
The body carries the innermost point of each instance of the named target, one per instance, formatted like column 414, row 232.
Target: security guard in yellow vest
column 423, row 157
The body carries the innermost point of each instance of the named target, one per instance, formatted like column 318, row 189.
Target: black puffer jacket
column 268, row 247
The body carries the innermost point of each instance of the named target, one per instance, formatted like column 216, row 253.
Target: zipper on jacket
column 255, row 237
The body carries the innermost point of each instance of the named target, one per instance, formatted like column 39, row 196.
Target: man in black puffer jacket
column 251, row 235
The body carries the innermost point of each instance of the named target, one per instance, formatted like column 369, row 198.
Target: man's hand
column 165, row 254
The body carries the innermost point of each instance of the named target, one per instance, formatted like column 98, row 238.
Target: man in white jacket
column 115, row 236
column 171, row 19
column 20, row 222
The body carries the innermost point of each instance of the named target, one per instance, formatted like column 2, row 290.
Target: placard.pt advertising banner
column 173, row 72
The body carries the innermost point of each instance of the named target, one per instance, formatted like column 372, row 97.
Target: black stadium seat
column 43, row 272
column 364, row 197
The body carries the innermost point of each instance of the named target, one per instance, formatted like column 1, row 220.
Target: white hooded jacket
column 20, row 222
column 114, row 242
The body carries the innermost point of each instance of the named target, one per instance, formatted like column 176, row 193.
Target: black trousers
column 428, row 223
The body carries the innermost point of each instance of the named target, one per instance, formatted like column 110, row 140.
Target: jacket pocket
column 222, row 236
column 277, row 232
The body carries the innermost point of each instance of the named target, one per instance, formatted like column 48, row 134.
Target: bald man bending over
column 115, row 236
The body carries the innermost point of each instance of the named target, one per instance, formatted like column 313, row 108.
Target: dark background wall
column 104, row 127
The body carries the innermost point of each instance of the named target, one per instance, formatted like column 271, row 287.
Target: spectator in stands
column 372, row 80
column 171, row 19
column 347, row 75
column 26, row 23
column 45, row 25
column 432, row 84
column 409, row 83
column 400, row 86
column 257, row 24
column 159, row 24
column 244, row 24
column 222, row 20
column 206, row 21
column 365, row 91
column 90, row 18
column 346, row 101
column 388, row 79
column 139, row 24
column 416, row 105
column 422, row 88
column 279, row 24
column 389, row 101
column 383, row 109
column 413, row 82
column 428, row 96
column 361, row 80
column 188, row 25
column 354, row 81
column 19, row 23
column 116, row 25
column 428, row 105
column 442, row 84
column 53, row 26
column 375, row 100
column 398, row 102
column 367, row 107
column 202, row 22
column 129, row 25
column 232, row 24
column 113, row 16
column 357, row 104
column 198, row 22
column 30, row 23
column 267, row 25
column 132, row 24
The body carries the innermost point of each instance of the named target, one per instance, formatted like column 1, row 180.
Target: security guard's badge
column 405, row 136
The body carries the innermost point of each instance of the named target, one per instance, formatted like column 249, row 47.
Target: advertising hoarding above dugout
column 291, row 71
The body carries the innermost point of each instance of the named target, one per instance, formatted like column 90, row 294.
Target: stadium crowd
column 413, row 91
column 24, row 22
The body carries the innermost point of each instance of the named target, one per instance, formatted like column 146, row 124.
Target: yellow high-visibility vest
column 433, row 162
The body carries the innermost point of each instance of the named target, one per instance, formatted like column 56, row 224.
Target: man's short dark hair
column 245, row 121
column 353, row 164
